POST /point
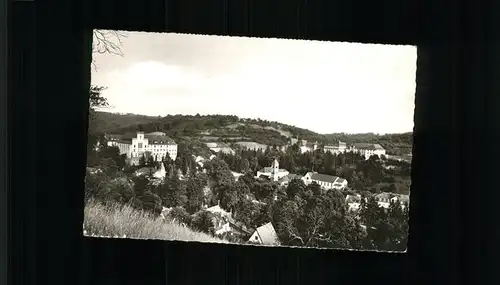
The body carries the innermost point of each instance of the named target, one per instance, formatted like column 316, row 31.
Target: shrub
column 113, row 219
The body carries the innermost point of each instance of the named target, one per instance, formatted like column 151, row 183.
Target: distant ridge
column 230, row 128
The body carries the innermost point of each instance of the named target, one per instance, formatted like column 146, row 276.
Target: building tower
column 275, row 168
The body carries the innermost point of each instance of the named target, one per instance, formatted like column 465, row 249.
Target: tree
column 203, row 221
column 104, row 42
column 142, row 161
column 107, row 42
column 173, row 192
column 284, row 215
column 180, row 215
column 113, row 152
column 295, row 187
column 150, row 202
column 96, row 99
column 244, row 165
column 315, row 188
column 246, row 211
column 150, row 161
column 218, row 173
column 194, row 191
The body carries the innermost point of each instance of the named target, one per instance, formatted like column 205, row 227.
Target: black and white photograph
column 251, row 141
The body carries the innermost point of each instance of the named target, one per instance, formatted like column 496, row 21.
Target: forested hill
column 231, row 128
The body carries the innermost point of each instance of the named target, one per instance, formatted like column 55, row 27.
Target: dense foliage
column 302, row 215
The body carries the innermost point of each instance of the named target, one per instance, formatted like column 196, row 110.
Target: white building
column 368, row 149
column 155, row 144
column 274, row 173
column 336, row 148
column 307, row 146
column 265, row 235
column 326, row 182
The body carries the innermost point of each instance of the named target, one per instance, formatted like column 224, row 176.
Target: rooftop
column 267, row 234
column 322, row 177
column 368, row 146
column 153, row 138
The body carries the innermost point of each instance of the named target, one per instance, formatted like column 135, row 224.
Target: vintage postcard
column 252, row 141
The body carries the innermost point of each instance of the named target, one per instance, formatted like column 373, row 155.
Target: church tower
column 275, row 168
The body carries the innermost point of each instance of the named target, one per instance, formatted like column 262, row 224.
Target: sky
column 326, row 87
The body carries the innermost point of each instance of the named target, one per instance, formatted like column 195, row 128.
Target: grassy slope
column 118, row 220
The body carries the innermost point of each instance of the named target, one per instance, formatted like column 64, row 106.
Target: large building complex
column 336, row 148
column 365, row 149
column 157, row 145
column 368, row 149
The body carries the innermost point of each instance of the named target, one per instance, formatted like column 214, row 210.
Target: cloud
column 323, row 86
column 152, row 76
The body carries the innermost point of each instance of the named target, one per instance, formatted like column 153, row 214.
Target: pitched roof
column 156, row 134
column 267, row 234
column 290, row 177
column 340, row 180
column 336, row 144
column 368, row 146
column 153, row 138
column 266, row 169
column 352, row 199
column 322, row 177
column 159, row 139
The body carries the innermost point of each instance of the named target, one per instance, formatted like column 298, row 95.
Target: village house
column 225, row 224
column 353, row 202
column 157, row 145
column 326, row 182
column 384, row 199
column 273, row 173
column 265, row 235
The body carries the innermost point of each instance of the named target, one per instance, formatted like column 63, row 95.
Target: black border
column 455, row 118
column 4, row 168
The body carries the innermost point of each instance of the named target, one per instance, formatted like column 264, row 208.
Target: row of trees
column 302, row 215
column 363, row 175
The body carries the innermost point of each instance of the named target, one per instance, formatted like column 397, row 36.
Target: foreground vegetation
column 303, row 215
column 113, row 219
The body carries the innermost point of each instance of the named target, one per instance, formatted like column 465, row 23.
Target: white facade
column 156, row 144
column 340, row 147
column 368, row 150
column 326, row 182
column 255, row 238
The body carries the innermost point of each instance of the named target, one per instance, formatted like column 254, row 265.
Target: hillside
column 232, row 129
column 118, row 221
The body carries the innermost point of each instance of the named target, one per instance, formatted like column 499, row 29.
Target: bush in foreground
column 113, row 219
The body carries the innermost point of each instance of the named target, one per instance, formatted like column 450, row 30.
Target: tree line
column 302, row 215
column 363, row 175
